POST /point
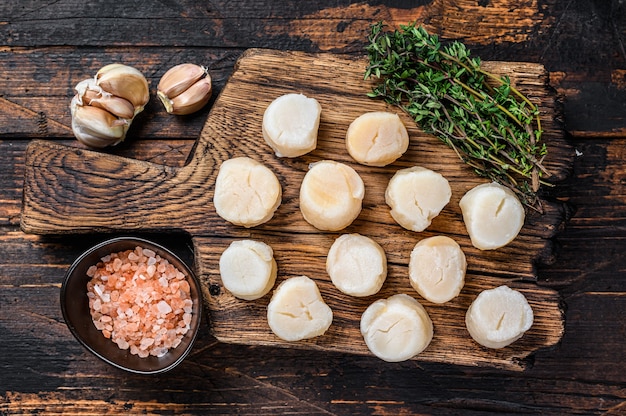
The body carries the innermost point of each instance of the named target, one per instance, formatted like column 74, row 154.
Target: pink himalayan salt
column 140, row 301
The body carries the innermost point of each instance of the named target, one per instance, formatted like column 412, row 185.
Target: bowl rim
column 145, row 244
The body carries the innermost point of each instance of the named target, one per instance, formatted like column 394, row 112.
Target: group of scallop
column 247, row 193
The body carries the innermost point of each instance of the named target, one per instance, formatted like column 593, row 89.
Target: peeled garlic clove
column 357, row 265
column 126, row 82
column 290, row 124
column 493, row 215
column 96, row 127
column 190, row 100
column 437, row 268
column 397, row 328
column 377, row 138
column 248, row 269
column 498, row 317
column 297, row 310
column 179, row 78
column 246, row 192
column 331, row 195
column 417, row 195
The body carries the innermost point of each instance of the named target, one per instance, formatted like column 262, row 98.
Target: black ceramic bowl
column 75, row 308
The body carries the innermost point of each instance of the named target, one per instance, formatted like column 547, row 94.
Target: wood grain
column 72, row 190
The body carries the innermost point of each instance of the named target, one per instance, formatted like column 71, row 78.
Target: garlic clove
column 119, row 107
column 126, row 82
column 179, row 78
column 89, row 93
column 96, row 127
column 189, row 101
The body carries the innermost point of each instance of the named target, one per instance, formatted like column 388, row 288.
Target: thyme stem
column 488, row 122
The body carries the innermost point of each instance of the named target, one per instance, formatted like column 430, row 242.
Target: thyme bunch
column 491, row 125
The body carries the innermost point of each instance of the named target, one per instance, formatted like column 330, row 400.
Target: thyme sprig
column 490, row 124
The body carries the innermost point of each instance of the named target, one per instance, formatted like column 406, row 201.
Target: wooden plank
column 70, row 190
column 589, row 70
column 46, row 369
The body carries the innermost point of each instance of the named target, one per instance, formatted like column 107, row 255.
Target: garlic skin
column 104, row 106
column 185, row 89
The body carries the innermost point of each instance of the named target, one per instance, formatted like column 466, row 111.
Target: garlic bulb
column 104, row 106
column 185, row 89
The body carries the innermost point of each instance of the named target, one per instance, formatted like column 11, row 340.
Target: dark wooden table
column 46, row 47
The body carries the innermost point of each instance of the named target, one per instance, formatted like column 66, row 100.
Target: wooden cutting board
column 72, row 190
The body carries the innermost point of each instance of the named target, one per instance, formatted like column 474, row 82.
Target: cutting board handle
column 68, row 189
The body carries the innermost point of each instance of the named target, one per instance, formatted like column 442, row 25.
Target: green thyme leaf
column 492, row 126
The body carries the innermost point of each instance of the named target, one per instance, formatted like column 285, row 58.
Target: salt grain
column 140, row 301
column 164, row 308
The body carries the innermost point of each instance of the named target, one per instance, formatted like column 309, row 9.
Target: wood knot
column 214, row 289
